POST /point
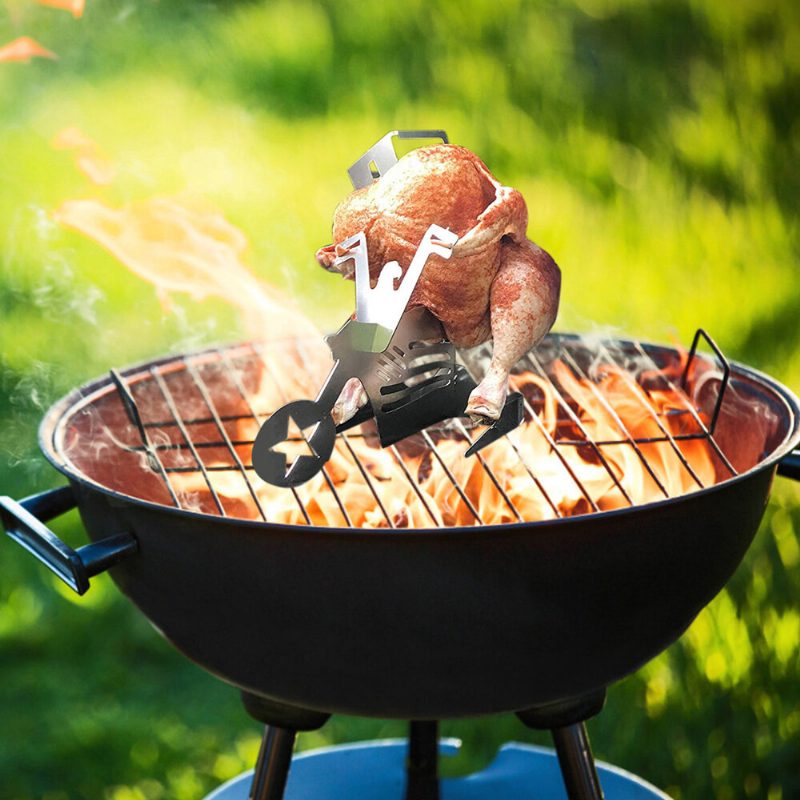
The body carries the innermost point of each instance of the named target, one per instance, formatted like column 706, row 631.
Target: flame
column 380, row 494
column 180, row 246
column 90, row 160
column 23, row 50
column 75, row 7
column 540, row 471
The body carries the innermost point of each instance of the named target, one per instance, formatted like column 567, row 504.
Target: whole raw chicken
column 497, row 284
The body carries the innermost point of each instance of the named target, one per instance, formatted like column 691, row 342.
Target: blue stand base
column 376, row 771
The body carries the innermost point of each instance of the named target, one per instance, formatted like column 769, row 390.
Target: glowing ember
column 23, row 50
column 90, row 160
column 433, row 498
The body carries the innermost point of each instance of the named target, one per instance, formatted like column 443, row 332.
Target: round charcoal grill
column 314, row 614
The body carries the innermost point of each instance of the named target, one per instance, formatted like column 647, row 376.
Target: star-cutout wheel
column 294, row 444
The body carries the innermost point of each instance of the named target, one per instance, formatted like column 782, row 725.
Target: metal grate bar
column 209, row 468
column 692, row 410
column 243, row 393
column 522, row 461
column 534, row 361
column 203, row 389
column 169, row 400
column 365, row 475
column 409, row 477
column 638, row 392
column 554, row 449
column 488, row 470
column 678, row 437
column 257, row 350
column 154, row 462
column 220, row 443
column 422, row 495
column 617, row 421
column 168, row 423
column 451, row 477
column 199, row 445
column 568, row 420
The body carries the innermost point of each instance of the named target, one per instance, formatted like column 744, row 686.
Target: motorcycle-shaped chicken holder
column 403, row 359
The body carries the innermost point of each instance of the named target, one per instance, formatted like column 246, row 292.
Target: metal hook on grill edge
column 726, row 373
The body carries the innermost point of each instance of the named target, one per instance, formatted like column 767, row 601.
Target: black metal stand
column 577, row 762
column 422, row 774
column 564, row 719
column 566, row 722
column 272, row 767
column 275, row 756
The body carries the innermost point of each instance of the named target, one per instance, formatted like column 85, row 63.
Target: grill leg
column 577, row 762
column 275, row 756
column 272, row 767
column 565, row 719
column 422, row 775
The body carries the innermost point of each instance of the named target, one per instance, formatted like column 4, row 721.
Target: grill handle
column 789, row 467
column 24, row 523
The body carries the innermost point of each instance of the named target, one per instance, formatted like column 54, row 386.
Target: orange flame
column 408, row 486
column 23, row 50
column 181, row 247
column 533, row 474
column 89, row 159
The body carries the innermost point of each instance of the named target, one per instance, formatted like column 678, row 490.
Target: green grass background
column 657, row 145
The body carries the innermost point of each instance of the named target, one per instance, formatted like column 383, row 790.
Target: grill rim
column 57, row 413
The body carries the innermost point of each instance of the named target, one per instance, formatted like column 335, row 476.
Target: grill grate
column 172, row 446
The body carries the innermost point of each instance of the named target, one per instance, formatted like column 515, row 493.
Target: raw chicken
column 497, row 284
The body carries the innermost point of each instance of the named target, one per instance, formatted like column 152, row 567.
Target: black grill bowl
column 433, row 624
column 441, row 623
